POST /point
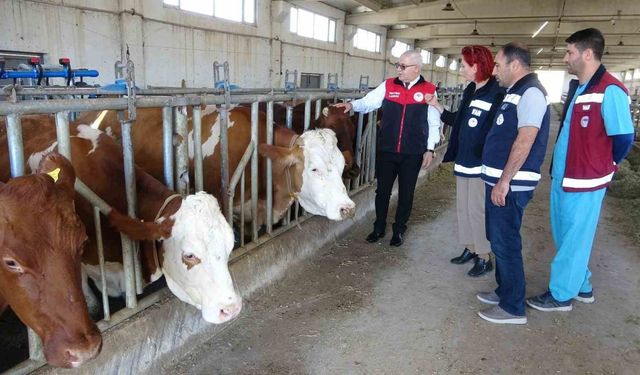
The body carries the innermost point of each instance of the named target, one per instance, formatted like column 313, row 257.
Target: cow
column 41, row 245
column 306, row 167
column 195, row 238
column 331, row 118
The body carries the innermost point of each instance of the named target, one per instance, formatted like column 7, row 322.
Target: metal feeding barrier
column 175, row 104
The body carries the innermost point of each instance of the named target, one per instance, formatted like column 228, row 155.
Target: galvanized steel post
column 182, row 153
column 254, row 170
column 16, row 149
column 197, row 148
column 167, row 146
column 269, row 168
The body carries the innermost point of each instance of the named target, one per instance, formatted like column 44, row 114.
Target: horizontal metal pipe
column 81, row 105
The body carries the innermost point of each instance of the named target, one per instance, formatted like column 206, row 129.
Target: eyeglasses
column 402, row 66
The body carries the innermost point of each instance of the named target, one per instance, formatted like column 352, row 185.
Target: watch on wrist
column 432, row 151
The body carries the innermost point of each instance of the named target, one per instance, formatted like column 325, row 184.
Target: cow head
column 336, row 119
column 41, row 244
column 196, row 259
column 313, row 169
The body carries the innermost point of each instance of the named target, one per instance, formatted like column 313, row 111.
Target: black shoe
column 481, row 267
column 396, row 240
column 464, row 257
column 374, row 236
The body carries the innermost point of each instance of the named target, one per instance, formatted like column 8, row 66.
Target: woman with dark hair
column 470, row 125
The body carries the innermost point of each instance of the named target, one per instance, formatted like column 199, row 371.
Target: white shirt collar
column 413, row 82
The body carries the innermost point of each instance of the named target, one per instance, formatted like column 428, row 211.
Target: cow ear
column 140, row 230
column 60, row 170
column 280, row 155
column 325, row 111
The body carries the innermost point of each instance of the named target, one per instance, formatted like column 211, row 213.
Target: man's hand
column 499, row 193
column 427, row 158
column 432, row 100
column 347, row 106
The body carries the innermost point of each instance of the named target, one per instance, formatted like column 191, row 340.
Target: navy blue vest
column 471, row 126
column 503, row 134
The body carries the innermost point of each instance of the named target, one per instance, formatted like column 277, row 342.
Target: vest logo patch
column 586, row 107
column 584, row 121
column 394, row 94
column 476, row 112
column 418, row 97
column 500, row 119
column 473, row 122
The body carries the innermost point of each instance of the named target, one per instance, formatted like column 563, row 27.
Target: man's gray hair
column 414, row 55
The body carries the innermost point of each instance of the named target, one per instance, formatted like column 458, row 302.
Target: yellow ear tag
column 54, row 174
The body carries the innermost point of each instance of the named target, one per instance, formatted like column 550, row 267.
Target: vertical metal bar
column 133, row 274
column 269, row 209
column 167, row 146
column 289, row 122
column 358, row 151
column 254, row 170
column 307, row 114
column 197, row 148
column 318, row 108
column 242, row 209
column 62, row 134
column 182, row 151
column 289, row 118
column 103, row 279
column 35, row 346
column 16, row 150
column 224, row 160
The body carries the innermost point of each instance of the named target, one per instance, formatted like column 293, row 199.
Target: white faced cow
column 195, row 239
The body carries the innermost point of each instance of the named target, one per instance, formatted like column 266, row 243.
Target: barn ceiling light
column 448, row 7
column 540, row 50
column 475, row 28
column 540, row 29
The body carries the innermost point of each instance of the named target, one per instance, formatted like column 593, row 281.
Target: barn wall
column 168, row 45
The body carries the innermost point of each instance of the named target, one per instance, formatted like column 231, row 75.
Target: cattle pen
column 63, row 103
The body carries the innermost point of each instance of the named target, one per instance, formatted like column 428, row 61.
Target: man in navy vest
column 406, row 139
column 596, row 133
column 513, row 153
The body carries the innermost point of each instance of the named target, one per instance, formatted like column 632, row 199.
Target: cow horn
column 325, row 111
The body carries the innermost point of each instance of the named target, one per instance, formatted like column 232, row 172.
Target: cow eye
column 190, row 259
column 315, row 170
column 12, row 265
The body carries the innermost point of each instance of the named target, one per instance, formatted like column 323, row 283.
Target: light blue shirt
column 617, row 120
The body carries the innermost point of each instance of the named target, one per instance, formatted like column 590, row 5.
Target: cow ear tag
column 54, row 174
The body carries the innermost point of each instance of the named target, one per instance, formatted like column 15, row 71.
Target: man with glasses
column 406, row 139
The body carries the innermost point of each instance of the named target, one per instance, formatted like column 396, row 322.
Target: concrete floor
column 357, row 308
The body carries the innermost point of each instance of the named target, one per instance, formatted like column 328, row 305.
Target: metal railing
column 175, row 104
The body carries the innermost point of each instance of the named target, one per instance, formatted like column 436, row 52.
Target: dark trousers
column 503, row 232
column 405, row 167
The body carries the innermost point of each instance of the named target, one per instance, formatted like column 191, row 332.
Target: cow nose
column 77, row 356
column 348, row 211
column 230, row 311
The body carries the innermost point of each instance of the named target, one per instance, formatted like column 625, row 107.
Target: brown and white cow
column 305, row 167
column 331, row 118
column 196, row 240
column 41, row 245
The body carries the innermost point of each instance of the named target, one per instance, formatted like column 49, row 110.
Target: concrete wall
column 168, row 45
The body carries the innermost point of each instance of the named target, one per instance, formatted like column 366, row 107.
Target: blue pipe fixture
column 39, row 73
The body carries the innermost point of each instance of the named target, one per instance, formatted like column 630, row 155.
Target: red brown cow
column 41, row 244
column 342, row 124
column 196, row 240
column 306, row 167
